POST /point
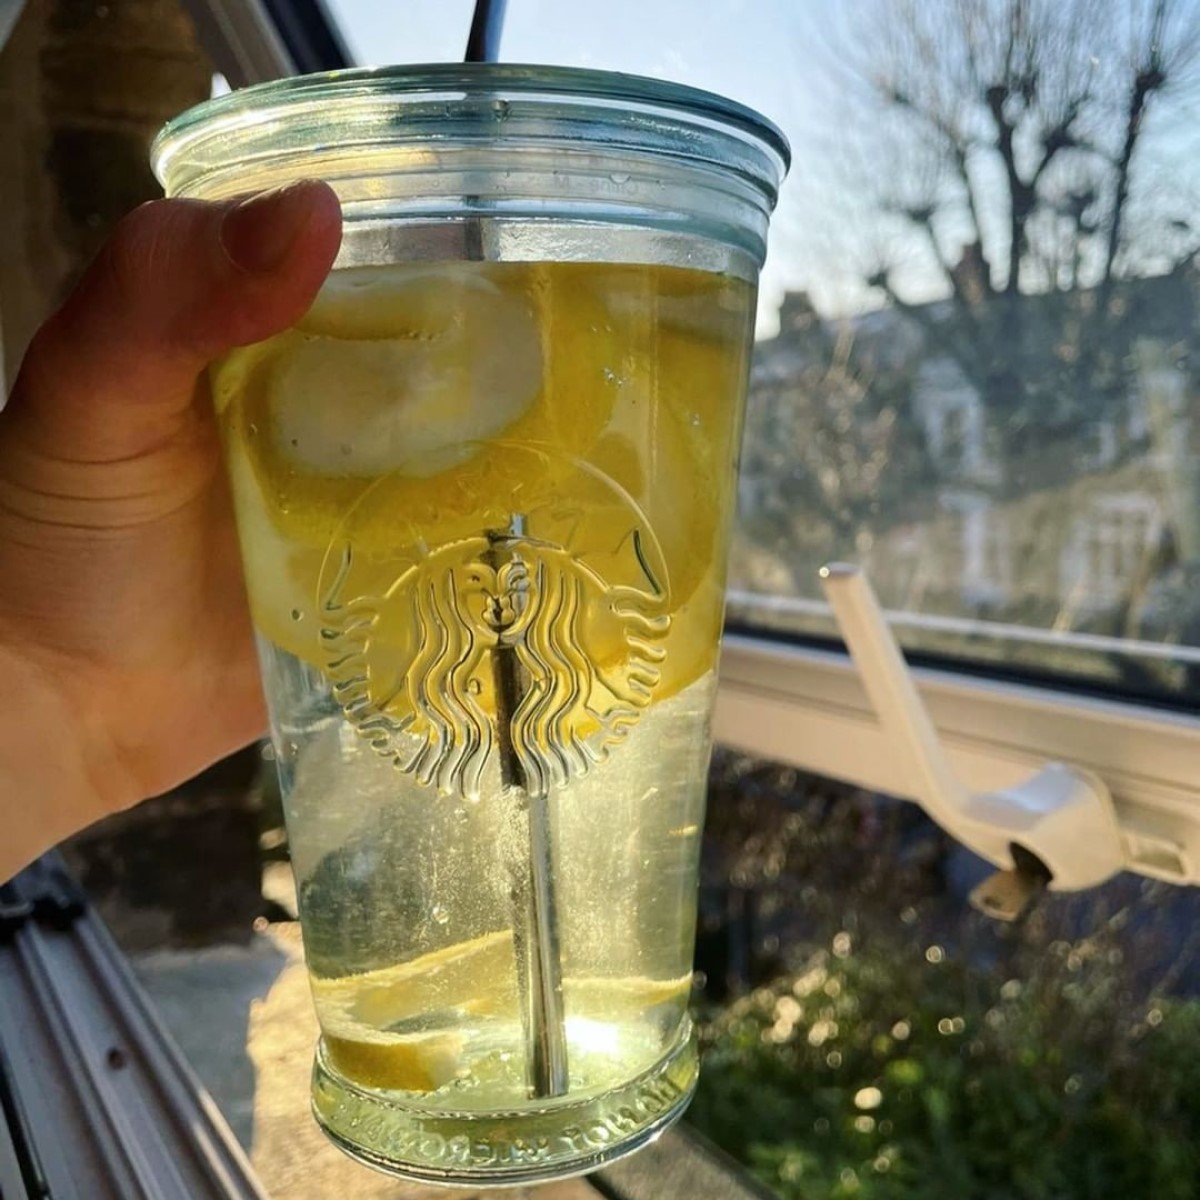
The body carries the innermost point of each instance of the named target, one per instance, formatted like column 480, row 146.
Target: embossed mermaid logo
column 504, row 652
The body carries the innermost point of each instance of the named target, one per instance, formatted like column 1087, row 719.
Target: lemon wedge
column 419, row 1064
column 389, row 415
column 459, row 988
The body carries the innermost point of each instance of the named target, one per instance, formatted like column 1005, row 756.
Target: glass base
column 552, row 1140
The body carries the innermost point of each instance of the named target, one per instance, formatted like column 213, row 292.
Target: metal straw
column 535, row 920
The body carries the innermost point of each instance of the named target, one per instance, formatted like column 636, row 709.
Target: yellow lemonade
column 483, row 509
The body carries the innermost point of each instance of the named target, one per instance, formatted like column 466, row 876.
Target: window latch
column 1056, row 829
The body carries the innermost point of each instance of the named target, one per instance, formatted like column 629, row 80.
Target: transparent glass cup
column 484, row 491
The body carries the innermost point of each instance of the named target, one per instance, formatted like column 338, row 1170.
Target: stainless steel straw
column 535, row 916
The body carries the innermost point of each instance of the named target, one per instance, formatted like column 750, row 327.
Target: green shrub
column 886, row 1070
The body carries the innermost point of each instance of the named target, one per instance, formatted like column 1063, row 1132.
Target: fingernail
column 259, row 233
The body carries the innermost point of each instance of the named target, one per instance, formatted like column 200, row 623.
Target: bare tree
column 1012, row 140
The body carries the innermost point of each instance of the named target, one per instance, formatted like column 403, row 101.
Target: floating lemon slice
column 412, row 373
column 471, row 983
column 472, row 979
column 404, row 370
column 418, row 1064
column 421, row 377
column 619, row 1001
column 478, row 976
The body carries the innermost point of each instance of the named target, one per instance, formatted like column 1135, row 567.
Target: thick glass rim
column 678, row 104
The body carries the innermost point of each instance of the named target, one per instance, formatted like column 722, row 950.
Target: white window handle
column 1057, row 828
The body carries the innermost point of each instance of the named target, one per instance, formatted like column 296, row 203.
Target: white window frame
column 807, row 707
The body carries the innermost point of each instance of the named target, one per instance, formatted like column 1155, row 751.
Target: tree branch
column 1020, row 194
column 921, row 216
column 1058, row 139
column 1149, row 78
column 959, row 158
column 959, row 146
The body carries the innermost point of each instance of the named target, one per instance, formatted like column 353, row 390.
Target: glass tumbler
column 483, row 491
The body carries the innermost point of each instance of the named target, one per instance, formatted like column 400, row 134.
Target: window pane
column 417, row 31
column 982, row 384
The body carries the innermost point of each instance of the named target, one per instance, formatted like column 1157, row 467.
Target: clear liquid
column 484, row 514
column 408, row 915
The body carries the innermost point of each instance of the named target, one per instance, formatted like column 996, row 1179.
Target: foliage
column 875, row 1073
column 912, row 1050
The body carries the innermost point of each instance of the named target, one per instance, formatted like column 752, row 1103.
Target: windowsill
column 807, row 707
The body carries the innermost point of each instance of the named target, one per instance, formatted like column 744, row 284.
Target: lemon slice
column 464, row 982
column 466, row 985
column 281, row 572
column 622, row 1000
column 396, row 403
column 412, row 373
column 421, row 1064
column 404, row 370
column 477, row 976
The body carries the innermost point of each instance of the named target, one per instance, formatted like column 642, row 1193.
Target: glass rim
column 681, row 104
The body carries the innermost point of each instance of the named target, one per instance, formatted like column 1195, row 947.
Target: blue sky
column 779, row 56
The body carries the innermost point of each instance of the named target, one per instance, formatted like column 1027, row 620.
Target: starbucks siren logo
column 529, row 655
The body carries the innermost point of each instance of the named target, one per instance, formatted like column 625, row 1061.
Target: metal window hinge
column 1056, row 829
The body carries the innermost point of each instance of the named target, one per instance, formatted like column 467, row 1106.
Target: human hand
column 125, row 645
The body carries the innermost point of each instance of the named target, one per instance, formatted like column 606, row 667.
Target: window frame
column 806, row 706
column 254, row 41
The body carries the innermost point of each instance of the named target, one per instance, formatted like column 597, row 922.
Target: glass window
column 977, row 376
column 422, row 31
column 999, row 250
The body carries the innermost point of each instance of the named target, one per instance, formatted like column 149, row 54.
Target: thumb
column 113, row 373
